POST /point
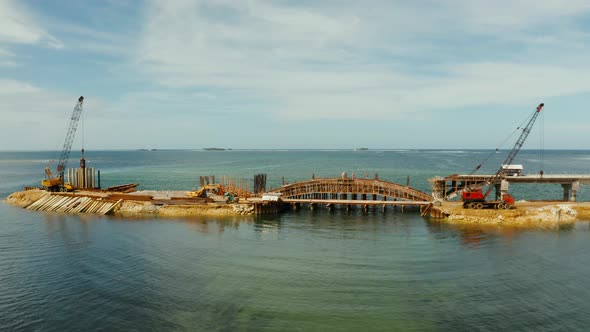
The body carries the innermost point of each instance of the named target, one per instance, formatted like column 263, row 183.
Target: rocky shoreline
column 536, row 214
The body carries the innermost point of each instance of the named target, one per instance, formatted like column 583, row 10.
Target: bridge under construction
column 449, row 187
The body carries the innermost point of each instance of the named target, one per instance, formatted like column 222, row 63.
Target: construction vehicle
column 55, row 182
column 216, row 189
column 476, row 198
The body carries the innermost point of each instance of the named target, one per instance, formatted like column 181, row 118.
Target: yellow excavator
column 56, row 182
column 216, row 189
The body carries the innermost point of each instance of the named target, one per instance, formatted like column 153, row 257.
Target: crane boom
column 56, row 183
column 70, row 134
column 516, row 149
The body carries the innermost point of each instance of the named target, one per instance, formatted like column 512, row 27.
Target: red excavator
column 476, row 198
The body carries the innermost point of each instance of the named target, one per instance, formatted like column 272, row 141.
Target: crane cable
column 542, row 145
column 501, row 144
column 82, row 120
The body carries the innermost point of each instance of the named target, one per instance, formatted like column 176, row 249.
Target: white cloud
column 33, row 117
column 12, row 87
column 389, row 59
column 18, row 26
column 7, row 58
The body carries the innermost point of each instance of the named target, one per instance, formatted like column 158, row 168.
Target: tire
column 499, row 206
column 479, row 206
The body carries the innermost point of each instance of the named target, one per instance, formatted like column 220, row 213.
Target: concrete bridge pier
column 501, row 188
column 570, row 191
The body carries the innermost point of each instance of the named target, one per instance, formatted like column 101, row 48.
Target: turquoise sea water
column 300, row 271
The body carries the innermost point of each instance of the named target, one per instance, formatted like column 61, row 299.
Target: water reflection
column 73, row 230
column 211, row 226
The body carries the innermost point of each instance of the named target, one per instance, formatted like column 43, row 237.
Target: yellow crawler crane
column 56, row 182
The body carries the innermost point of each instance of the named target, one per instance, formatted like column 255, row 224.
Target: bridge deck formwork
column 351, row 191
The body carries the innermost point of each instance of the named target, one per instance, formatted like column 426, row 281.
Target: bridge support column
column 504, row 185
column 570, row 191
column 574, row 192
column 566, row 191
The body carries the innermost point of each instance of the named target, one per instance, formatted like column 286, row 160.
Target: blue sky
column 294, row 74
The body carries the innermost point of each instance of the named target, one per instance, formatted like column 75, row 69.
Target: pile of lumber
column 73, row 204
column 127, row 197
column 124, row 188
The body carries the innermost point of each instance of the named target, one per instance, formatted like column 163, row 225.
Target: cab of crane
column 512, row 170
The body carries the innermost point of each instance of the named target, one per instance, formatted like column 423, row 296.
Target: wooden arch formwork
column 346, row 189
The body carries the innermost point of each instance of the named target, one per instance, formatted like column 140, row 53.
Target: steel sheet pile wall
column 82, row 178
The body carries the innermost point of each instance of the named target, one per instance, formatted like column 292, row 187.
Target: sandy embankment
column 131, row 208
column 24, row 198
column 138, row 209
column 525, row 214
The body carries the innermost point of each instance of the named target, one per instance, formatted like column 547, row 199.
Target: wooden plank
column 84, row 202
column 130, row 197
column 48, row 203
column 114, row 206
column 123, row 187
column 38, row 202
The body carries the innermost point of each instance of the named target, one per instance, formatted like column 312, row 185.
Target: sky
column 178, row 74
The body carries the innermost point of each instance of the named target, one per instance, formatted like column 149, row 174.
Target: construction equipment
column 476, row 198
column 56, row 182
column 216, row 189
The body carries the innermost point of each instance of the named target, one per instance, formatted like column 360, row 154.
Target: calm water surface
column 301, row 271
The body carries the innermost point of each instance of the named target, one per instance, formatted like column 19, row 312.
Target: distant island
column 214, row 149
column 361, row 149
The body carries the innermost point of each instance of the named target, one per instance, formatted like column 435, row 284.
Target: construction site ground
column 529, row 214
column 139, row 204
column 526, row 214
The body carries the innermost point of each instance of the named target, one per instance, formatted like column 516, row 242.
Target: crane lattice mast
column 71, row 133
column 516, row 149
